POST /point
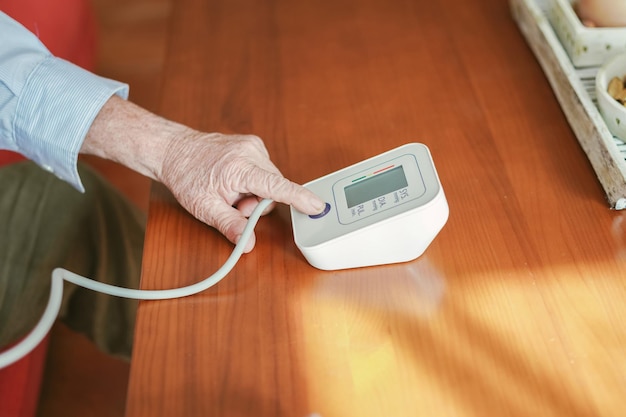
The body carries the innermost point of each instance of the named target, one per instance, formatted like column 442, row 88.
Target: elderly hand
column 218, row 178
column 221, row 178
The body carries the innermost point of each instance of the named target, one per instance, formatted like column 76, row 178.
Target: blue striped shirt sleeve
column 47, row 104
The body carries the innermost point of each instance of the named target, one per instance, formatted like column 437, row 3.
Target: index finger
column 278, row 188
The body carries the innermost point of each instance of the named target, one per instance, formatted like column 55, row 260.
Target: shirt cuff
column 55, row 111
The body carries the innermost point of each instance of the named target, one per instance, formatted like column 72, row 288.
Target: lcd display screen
column 376, row 186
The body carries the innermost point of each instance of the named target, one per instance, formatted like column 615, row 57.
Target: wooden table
column 515, row 309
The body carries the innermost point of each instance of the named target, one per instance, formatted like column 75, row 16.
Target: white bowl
column 613, row 113
column 586, row 47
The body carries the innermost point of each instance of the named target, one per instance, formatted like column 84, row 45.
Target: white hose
column 39, row 332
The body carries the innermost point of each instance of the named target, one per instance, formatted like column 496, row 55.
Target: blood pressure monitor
column 386, row 209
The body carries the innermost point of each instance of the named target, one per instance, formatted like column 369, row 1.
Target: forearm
column 132, row 136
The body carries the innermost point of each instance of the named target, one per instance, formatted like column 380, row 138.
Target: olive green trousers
column 44, row 224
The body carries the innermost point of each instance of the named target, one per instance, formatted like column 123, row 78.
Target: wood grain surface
column 516, row 308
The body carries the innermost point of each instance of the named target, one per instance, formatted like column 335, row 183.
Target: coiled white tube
column 39, row 332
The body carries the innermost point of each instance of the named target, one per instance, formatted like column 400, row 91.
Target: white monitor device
column 386, row 209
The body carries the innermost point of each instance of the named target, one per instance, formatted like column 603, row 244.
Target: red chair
column 7, row 157
column 20, row 384
column 68, row 29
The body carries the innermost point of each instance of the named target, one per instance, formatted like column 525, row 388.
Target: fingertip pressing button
column 322, row 214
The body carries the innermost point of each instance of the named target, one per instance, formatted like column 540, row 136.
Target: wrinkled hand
column 220, row 179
